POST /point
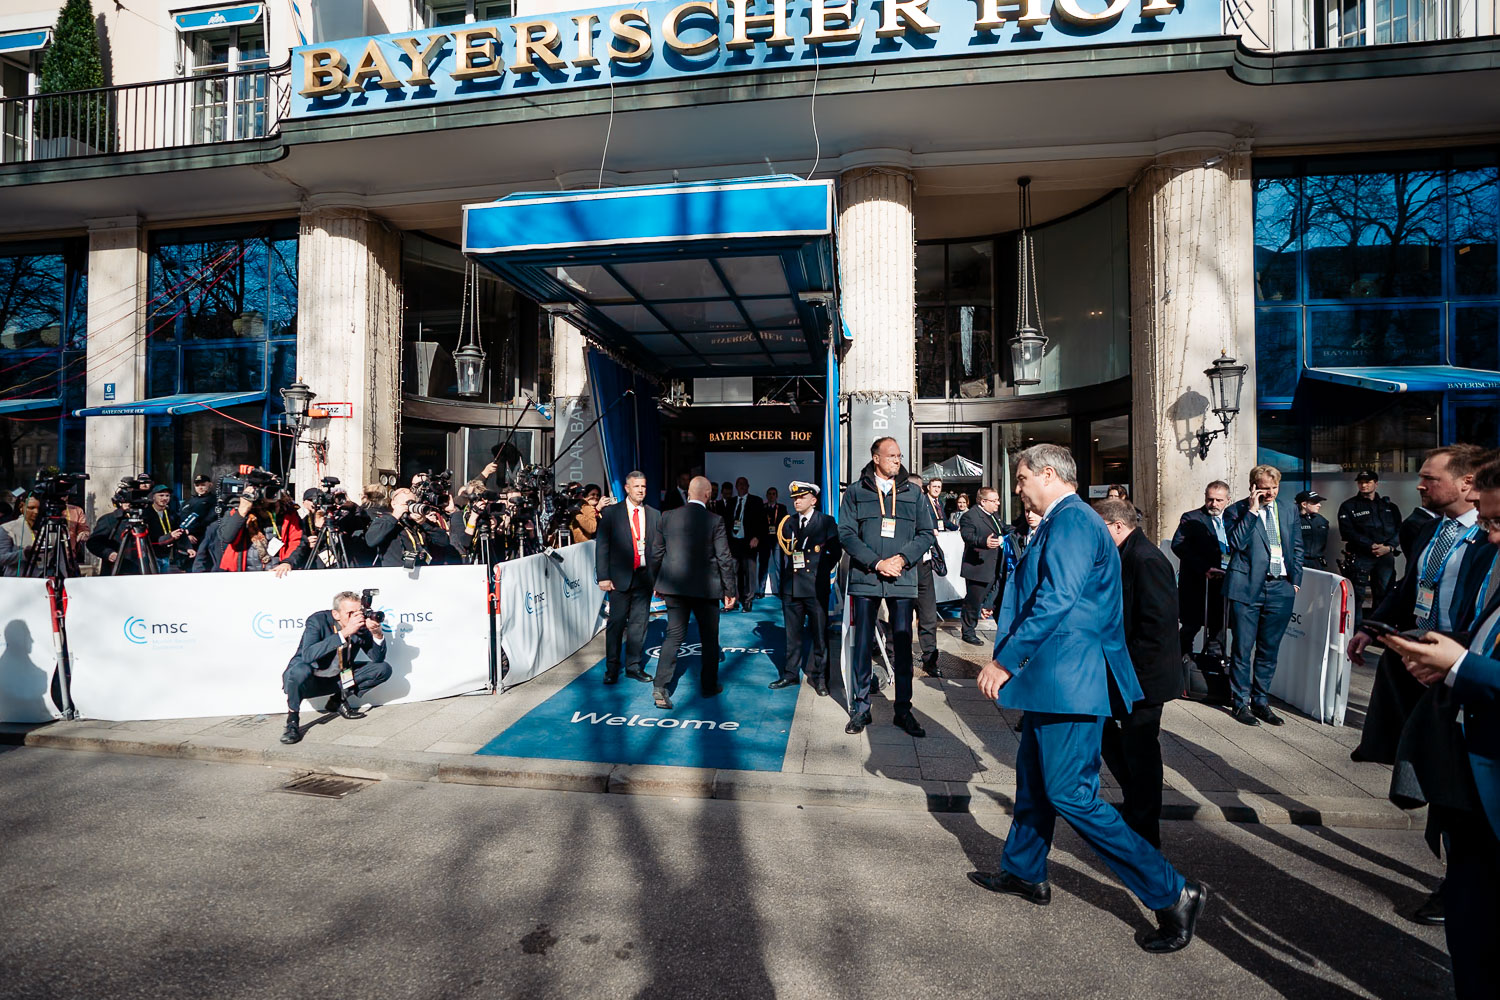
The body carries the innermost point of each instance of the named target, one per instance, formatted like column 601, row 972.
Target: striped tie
column 1432, row 568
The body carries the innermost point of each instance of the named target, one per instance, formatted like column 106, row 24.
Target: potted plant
column 77, row 121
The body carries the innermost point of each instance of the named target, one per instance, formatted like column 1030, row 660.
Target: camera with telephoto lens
column 132, row 492
column 339, row 512
column 53, row 491
column 433, row 494
column 366, row 604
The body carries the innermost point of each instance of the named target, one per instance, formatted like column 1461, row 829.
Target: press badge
column 739, row 529
column 799, row 560
column 1426, row 598
column 273, row 546
column 887, row 527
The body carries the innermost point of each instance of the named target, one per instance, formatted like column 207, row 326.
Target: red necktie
column 637, row 535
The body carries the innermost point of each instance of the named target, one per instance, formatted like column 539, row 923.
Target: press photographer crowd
column 251, row 522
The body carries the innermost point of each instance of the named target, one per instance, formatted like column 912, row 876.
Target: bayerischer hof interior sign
column 656, row 41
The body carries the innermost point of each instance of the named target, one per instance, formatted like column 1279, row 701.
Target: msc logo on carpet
column 696, row 649
column 141, row 632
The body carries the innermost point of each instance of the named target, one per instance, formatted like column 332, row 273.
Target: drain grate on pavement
column 325, row 786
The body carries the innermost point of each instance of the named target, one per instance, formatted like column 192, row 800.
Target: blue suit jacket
column 1250, row 549
column 1477, row 690
column 1060, row 626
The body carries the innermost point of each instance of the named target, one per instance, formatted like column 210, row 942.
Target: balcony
column 1300, row 25
column 139, row 117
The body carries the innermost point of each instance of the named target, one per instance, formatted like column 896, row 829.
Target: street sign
column 337, row 410
column 109, row 392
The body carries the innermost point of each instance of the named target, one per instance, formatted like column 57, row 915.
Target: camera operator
column 18, row 537
column 413, row 534
column 262, row 531
column 343, row 638
column 166, row 531
column 330, row 507
column 109, row 540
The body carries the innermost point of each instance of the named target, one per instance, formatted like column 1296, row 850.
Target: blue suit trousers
column 1258, row 627
column 1057, row 773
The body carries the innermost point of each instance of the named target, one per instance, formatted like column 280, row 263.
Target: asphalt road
column 140, row 877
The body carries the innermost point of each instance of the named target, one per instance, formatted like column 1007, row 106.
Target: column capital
column 1207, row 143
column 325, row 201
column 114, row 222
column 895, row 161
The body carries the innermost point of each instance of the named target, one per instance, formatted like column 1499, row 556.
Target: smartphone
column 1380, row 630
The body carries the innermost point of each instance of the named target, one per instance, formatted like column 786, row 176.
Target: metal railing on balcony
column 136, row 117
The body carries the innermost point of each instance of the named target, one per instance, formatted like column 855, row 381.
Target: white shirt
column 700, row 503
column 640, row 543
column 1448, row 581
column 1053, row 505
column 885, row 485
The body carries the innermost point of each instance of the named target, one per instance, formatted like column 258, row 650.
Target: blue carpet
column 744, row 728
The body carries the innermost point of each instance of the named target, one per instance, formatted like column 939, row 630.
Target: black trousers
column 747, row 576
column 926, row 614
column 1199, row 603
column 628, row 611
column 974, row 594
column 813, row 612
column 299, row 682
column 706, row 610
column 1132, row 751
column 861, row 670
column 1373, row 574
column 1471, row 900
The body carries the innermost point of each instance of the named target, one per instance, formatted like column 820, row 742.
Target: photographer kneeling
column 342, row 655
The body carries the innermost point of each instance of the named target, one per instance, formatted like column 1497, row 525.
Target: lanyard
column 880, row 499
column 1427, row 553
column 161, row 515
column 635, row 537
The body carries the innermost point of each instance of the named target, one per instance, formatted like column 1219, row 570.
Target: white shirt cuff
column 379, row 638
column 1452, row 673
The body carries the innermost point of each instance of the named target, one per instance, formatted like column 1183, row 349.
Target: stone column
column 580, row 458
column 877, row 295
column 349, row 340
column 1192, row 296
column 115, row 446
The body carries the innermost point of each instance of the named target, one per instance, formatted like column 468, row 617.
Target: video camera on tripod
column 252, row 483
column 133, row 493
column 548, row 508
column 51, row 553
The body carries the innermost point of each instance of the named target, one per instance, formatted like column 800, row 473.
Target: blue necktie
column 1432, row 568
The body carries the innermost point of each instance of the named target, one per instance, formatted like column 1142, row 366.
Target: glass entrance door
column 1019, row 435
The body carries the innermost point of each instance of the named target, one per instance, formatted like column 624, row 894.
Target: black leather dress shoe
column 972, row 639
column 1264, row 714
column 661, row 699
column 1243, row 714
column 857, row 724
column 909, row 722
column 1003, row 881
column 781, row 682
column 1174, row 925
column 611, row 678
column 1431, row 911
column 710, row 692
column 638, row 675
column 293, row 731
column 821, row 690
column 348, row 711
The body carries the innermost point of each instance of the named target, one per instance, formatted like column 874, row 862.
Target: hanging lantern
column 1028, row 346
column 469, row 360
column 468, row 357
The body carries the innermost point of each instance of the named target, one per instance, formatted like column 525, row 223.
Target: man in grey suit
column 690, row 562
column 1265, row 571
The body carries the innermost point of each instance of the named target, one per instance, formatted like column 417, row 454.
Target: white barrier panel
column 28, row 656
column 187, row 645
column 550, row 606
column 950, row 587
column 1312, row 667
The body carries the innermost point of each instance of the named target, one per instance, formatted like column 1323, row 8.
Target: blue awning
column 1414, row 378
column 172, row 406
column 698, row 279
column 23, row 405
column 25, row 41
column 218, row 17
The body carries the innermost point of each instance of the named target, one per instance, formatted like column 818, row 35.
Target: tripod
column 482, row 553
column 328, row 551
column 51, row 554
column 140, row 544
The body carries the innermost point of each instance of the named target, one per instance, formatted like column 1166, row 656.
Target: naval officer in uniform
column 807, row 544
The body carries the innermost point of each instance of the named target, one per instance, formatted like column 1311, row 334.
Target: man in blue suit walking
column 1060, row 657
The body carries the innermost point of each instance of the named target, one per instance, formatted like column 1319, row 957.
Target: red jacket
column 237, row 548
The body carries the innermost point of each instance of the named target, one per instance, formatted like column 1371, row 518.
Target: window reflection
column 1375, row 235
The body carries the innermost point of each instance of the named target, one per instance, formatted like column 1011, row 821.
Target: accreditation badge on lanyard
column 887, row 524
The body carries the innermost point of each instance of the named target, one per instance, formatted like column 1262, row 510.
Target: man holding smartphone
column 1265, row 570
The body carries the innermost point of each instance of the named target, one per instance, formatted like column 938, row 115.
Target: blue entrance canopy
column 25, row 41
column 1415, row 378
column 187, row 402
column 22, row 405
column 696, row 279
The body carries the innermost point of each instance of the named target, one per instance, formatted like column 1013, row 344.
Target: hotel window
column 218, row 46
column 445, row 13
column 20, row 64
column 1345, row 23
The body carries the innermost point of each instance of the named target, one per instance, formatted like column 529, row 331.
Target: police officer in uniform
column 1371, row 528
column 1314, row 529
column 807, row 545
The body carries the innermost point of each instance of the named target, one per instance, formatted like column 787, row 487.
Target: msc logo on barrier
column 535, row 601
column 141, row 632
column 265, row 625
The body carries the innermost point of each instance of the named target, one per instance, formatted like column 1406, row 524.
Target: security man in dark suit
column 745, row 519
column 626, row 533
column 1201, row 546
column 1132, row 738
column 334, row 641
column 1370, row 526
column 693, row 571
column 983, row 534
column 676, row 496
column 1265, row 570
column 807, row 545
column 1314, row 529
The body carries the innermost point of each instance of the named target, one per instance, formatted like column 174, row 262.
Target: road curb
column 787, row 788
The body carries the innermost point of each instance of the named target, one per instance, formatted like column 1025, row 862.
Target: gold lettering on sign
column 638, row 35
column 421, row 57
column 670, row 30
column 900, row 15
column 1072, row 10
column 585, row 56
column 745, row 22
column 372, row 65
column 323, row 72
column 1157, row 8
column 990, row 18
column 545, row 48
column 471, row 45
column 844, row 29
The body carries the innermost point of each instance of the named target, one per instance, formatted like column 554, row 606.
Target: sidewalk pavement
column 1216, row 769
